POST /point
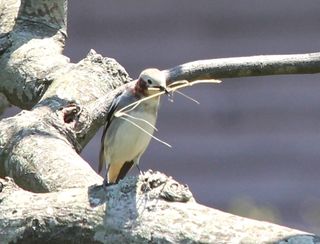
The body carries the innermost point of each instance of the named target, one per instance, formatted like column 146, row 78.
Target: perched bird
column 122, row 142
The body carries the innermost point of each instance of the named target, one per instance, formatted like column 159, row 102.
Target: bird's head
column 151, row 81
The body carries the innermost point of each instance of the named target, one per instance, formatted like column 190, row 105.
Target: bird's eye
column 149, row 81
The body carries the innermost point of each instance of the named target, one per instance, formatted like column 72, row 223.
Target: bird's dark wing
column 112, row 109
column 118, row 171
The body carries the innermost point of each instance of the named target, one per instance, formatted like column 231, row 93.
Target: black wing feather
column 124, row 170
column 113, row 107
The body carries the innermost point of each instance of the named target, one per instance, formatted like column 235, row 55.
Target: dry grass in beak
column 154, row 89
column 171, row 88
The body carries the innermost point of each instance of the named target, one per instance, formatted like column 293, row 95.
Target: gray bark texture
column 49, row 194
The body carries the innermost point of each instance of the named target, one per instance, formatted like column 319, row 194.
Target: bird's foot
column 140, row 171
column 106, row 184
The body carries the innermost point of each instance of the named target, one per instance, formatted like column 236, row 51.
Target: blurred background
column 252, row 147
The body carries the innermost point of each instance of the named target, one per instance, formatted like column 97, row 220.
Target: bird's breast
column 127, row 136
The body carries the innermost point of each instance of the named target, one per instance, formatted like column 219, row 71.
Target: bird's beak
column 162, row 88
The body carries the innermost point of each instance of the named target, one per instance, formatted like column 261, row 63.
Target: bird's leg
column 140, row 171
column 106, row 184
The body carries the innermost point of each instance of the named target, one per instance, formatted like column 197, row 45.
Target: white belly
column 129, row 141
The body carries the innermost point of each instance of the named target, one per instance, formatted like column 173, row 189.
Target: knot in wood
column 71, row 112
column 159, row 185
column 176, row 192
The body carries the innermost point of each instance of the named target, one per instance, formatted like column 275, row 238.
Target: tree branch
column 246, row 66
column 69, row 100
column 32, row 46
column 59, row 126
column 151, row 209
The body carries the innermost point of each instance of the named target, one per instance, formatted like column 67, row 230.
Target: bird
column 122, row 142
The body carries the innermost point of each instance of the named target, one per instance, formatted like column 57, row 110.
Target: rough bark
column 33, row 32
column 151, row 209
column 56, row 197
column 69, row 101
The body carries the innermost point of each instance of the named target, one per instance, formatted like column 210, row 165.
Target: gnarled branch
column 151, row 209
